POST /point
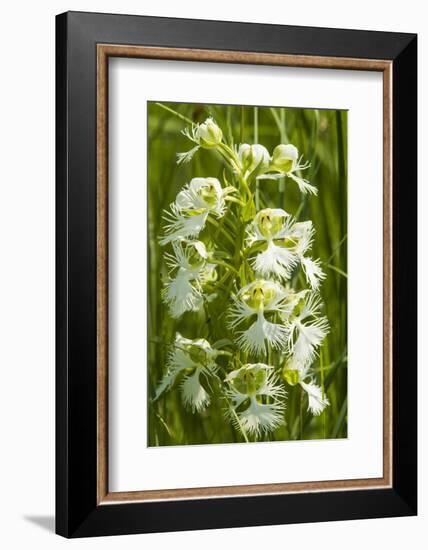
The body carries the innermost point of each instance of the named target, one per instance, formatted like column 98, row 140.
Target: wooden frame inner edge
column 104, row 51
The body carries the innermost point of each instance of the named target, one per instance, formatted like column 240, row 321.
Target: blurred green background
column 321, row 136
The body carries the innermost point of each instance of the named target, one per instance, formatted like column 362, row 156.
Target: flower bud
column 208, row 134
column 253, row 157
column 285, row 157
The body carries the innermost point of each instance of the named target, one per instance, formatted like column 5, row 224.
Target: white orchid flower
column 247, row 387
column 193, row 204
column 273, row 226
column 258, row 299
column 295, row 373
column 195, row 359
column 304, row 231
column 253, row 158
column 307, row 328
column 286, row 162
column 189, row 270
column 288, row 243
column 207, row 135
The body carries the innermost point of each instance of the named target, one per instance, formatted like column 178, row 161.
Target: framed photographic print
column 236, row 274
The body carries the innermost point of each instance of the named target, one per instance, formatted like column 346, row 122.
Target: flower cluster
column 262, row 269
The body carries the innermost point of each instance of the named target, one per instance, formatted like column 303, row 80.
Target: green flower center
column 283, row 159
column 291, row 376
column 250, row 382
column 193, row 257
column 259, row 295
column 284, row 165
column 209, row 195
column 197, row 354
column 299, row 307
column 268, row 223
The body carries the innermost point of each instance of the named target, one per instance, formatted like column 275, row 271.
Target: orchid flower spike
column 193, row 204
column 286, row 162
column 257, row 300
column 206, row 135
column 195, row 360
column 188, row 271
column 248, row 386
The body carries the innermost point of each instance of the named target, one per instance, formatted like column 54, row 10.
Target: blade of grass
column 340, row 419
column 334, row 268
column 175, row 113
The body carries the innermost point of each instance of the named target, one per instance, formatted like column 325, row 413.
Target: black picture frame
column 78, row 513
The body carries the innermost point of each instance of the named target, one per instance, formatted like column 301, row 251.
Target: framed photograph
column 236, row 274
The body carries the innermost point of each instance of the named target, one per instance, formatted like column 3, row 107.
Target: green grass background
column 321, row 136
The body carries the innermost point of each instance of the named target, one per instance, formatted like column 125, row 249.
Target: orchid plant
column 262, row 269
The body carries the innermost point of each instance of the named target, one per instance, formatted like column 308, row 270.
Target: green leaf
column 249, row 211
column 223, row 342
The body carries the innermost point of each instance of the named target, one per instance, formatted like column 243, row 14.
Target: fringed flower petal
column 248, row 387
column 193, row 359
column 275, row 261
column 316, row 402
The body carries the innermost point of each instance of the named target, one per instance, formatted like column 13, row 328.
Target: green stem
column 229, row 156
column 232, row 410
column 342, row 240
column 340, row 419
column 221, row 229
column 233, row 199
column 245, row 186
column 224, row 264
column 334, row 268
column 174, row 113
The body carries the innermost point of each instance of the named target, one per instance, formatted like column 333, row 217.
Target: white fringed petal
column 316, row 403
column 188, row 270
column 272, row 225
column 184, row 158
column 188, row 214
column 309, row 338
column 247, row 386
column 307, row 330
column 303, row 184
column 180, row 226
column 253, row 339
column 178, row 360
column 261, row 418
column 183, row 293
column 194, row 395
column 261, row 332
column 313, row 271
column 275, row 261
